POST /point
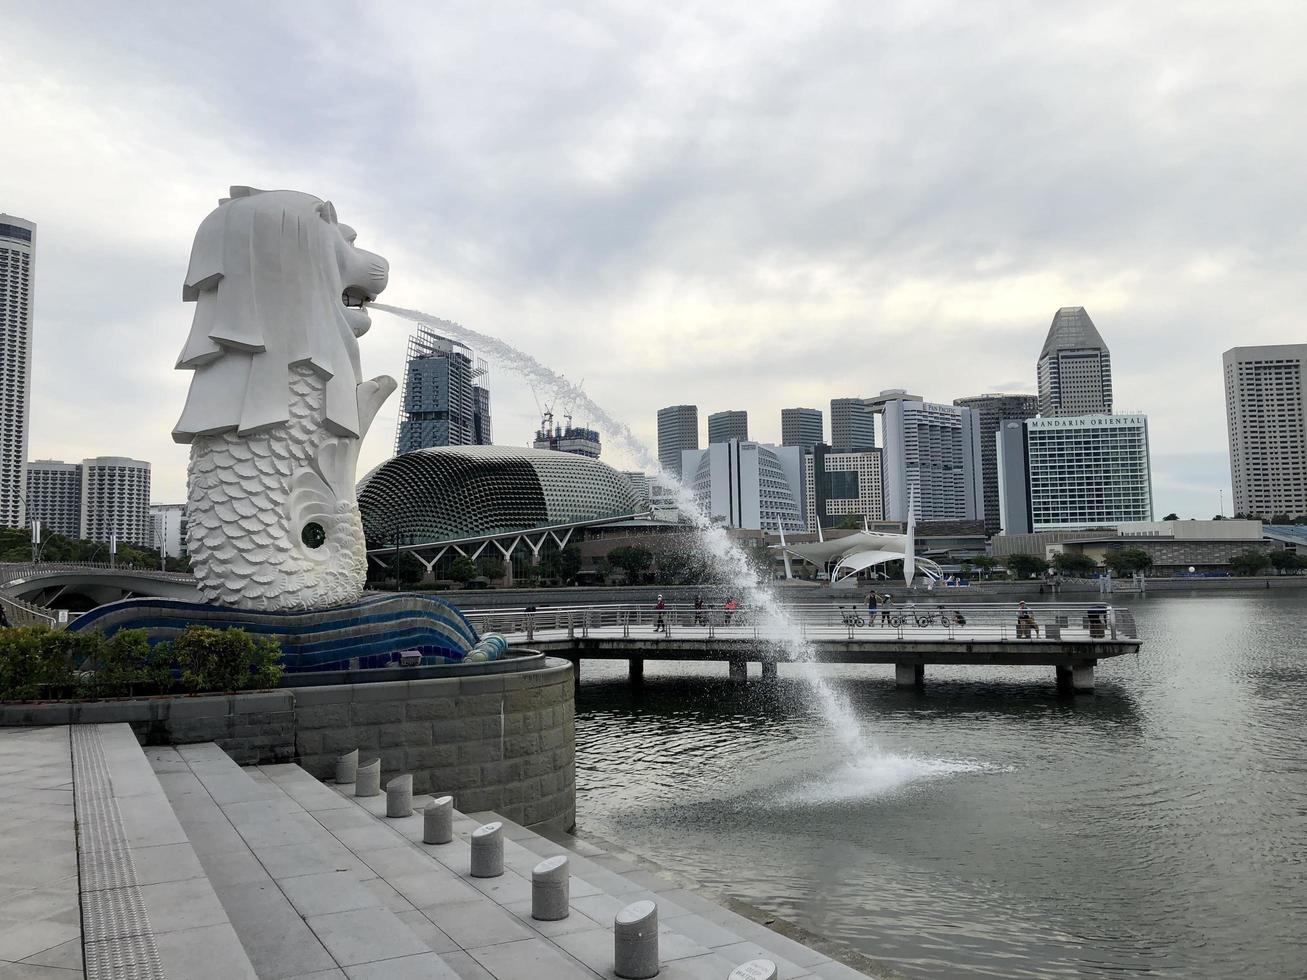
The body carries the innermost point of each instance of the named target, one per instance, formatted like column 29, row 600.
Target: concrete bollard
column 550, row 891
column 755, row 970
column 347, row 767
column 635, row 941
column 438, row 821
column 488, row 850
column 367, row 782
column 399, row 796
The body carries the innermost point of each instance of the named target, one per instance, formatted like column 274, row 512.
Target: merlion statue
column 278, row 406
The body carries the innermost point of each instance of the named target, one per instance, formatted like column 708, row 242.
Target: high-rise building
column 1087, row 471
column 444, row 401
column 116, row 499
column 725, row 426
column 839, row 485
column 747, row 484
column 678, row 430
column 931, row 460
column 574, row 439
column 1266, row 415
column 17, row 276
column 852, row 425
column 1075, row 368
column 168, row 529
column 54, row 496
column 481, row 414
column 1013, row 473
column 801, row 427
column 993, row 411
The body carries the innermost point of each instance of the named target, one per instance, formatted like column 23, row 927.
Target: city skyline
column 613, row 251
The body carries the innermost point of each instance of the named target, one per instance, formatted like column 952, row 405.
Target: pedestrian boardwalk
column 1071, row 638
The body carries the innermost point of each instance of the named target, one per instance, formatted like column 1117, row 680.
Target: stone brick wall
column 502, row 742
column 254, row 727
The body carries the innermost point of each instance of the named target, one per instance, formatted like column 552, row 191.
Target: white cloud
column 738, row 206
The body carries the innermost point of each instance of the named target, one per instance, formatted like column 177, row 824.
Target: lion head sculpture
column 277, row 282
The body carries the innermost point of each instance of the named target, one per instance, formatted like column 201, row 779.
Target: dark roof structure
column 1072, row 329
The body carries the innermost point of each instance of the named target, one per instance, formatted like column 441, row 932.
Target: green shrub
column 36, row 663
column 126, row 664
column 266, row 662
column 225, row 660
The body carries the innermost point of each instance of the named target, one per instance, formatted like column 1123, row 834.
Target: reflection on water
column 993, row 827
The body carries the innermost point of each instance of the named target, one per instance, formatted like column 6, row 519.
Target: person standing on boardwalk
column 888, row 601
column 871, row 607
column 660, row 607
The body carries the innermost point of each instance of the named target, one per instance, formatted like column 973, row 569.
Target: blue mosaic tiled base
column 373, row 629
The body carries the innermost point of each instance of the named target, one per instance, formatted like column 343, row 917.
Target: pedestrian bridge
column 1070, row 637
column 37, row 593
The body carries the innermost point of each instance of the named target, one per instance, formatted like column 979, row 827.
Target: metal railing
column 21, row 613
column 816, row 621
column 24, row 571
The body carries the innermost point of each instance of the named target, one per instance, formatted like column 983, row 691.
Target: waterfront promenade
column 188, row 866
column 1069, row 637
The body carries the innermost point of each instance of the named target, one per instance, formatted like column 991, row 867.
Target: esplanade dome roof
column 452, row 493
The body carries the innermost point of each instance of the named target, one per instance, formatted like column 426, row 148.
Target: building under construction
column 445, row 401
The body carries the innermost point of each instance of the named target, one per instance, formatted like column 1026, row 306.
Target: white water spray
column 728, row 557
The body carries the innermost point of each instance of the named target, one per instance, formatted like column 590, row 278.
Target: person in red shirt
column 660, row 607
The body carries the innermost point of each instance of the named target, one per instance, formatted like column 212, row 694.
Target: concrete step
column 681, row 909
column 697, row 937
column 297, row 898
column 146, row 903
column 482, row 927
column 40, row 913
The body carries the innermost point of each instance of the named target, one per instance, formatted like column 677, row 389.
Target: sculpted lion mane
column 277, row 282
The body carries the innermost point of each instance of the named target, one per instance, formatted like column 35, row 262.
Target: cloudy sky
column 737, row 205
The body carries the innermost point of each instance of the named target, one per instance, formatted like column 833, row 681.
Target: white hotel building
column 1084, row 471
column 1266, row 416
column 747, row 484
column 931, row 460
column 838, row 485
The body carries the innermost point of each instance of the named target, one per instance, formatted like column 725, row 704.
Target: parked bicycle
column 851, row 617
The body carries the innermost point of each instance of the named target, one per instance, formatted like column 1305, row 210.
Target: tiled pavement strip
column 319, row 883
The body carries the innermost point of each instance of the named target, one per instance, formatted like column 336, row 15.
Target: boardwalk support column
column 636, row 670
column 576, row 671
column 909, row 675
column 739, row 670
column 769, row 670
column 1076, row 678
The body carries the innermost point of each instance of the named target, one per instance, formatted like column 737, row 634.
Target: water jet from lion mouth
column 857, row 748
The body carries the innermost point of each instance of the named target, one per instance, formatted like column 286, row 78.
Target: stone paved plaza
column 191, row 866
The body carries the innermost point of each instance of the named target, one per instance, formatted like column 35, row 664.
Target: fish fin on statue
column 371, row 396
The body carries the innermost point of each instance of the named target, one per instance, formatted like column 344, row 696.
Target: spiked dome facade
column 435, row 497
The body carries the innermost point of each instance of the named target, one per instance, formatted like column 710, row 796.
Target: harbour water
column 991, row 827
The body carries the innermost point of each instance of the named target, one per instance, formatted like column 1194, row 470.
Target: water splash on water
column 728, row 558
column 878, row 774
